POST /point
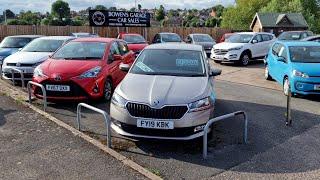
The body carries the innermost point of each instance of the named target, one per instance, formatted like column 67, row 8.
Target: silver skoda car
column 168, row 93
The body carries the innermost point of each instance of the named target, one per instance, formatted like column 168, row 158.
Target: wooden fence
column 148, row 33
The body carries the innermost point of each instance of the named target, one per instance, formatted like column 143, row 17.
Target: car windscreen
column 202, row 38
column 81, row 51
column 43, row 45
column 14, row 42
column 170, row 38
column 305, row 54
column 289, row 36
column 169, row 62
column 239, row 38
column 134, row 39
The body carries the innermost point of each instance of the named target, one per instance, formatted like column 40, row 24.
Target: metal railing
column 210, row 122
column 13, row 78
column 44, row 93
column 1, row 69
column 103, row 113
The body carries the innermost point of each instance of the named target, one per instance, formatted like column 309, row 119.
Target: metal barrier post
column 210, row 122
column 103, row 113
column 21, row 76
column 1, row 69
column 43, row 92
column 288, row 115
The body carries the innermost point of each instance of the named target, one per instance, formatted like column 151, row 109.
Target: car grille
column 220, row 51
column 20, row 65
column 18, row 75
column 75, row 90
column 166, row 112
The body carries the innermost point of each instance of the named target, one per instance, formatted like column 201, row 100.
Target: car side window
column 156, row 37
column 266, row 37
column 114, row 49
column 283, row 52
column 275, row 49
column 258, row 38
column 123, row 47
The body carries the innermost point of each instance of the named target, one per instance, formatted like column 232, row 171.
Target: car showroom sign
column 119, row 18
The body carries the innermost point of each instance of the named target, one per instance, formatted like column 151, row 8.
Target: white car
column 33, row 54
column 243, row 47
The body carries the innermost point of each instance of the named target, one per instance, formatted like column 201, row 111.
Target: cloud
column 45, row 5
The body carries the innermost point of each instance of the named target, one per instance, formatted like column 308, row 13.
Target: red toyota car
column 136, row 42
column 82, row 69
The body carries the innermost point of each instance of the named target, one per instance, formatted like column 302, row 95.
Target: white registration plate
column 60, row 88
column 316, row 87
column 219, row 57
column 155, row 124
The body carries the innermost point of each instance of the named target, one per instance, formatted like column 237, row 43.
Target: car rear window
column 81, row 51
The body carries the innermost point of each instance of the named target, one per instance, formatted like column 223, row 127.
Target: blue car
column 12, row 44
column 295, row 65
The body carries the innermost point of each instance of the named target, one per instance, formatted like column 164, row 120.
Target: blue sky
column 44, row 5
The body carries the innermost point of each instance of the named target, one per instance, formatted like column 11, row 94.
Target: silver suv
column 167, row 94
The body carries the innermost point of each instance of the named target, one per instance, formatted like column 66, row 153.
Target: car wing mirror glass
column 254, row 41
column 215, row 72
column 124, row 67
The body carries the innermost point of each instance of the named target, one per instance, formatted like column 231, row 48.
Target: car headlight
column 236, row 48
column 38, row 72
column 118, row 100
column 200, row 105
column 300, row 74
column 92, row 73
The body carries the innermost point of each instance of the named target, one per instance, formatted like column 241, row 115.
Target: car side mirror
column 281, row 59
column 117, row 57
column 215, row 72
column 124, row 67
column 254, row 41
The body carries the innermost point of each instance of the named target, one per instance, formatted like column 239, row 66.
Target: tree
column 160, row 14
column 139, row 7
column 101, row 7
column 218, row 9
column 60, row 9
column 9, row 14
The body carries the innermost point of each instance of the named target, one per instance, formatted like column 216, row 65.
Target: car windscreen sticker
column 187, row 62
column 143, row 67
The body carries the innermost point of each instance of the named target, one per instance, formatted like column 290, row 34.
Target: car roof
column 167, row 33
column 57, row 37
column 176, row 46
column 95, row 39
column 299, row 43
column 132, row 34
column 310, row 37
column 27, row 36
column 199, row 34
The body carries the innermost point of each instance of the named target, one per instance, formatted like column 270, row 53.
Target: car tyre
column 107, row 90
column 244, row 59
column 266, row 73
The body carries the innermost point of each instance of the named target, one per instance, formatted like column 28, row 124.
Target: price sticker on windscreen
column 187, row 62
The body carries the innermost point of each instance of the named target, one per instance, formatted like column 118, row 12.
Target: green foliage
column 212, row 22
column 160, row 14
column 218, row 9
column 139, row 7
column 100, row 7
column 60, row 9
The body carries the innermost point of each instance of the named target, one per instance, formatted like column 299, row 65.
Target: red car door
column 113, row 64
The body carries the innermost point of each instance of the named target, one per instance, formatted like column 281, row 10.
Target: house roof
column 274, row 20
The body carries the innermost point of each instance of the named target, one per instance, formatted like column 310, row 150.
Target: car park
column 312, row 38
column 135, row 42
column 85, row 68
column 167, row 94
column 83, row 35
column 294, row 35
column 12, row 44
column 242, row 47
column 295, row 65
column 205, row 40
column 32, row 55
column 166, row 37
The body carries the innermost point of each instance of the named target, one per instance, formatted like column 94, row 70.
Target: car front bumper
column 190, row 126
column 306, row 86
column 228, row 56
column 7, row 72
